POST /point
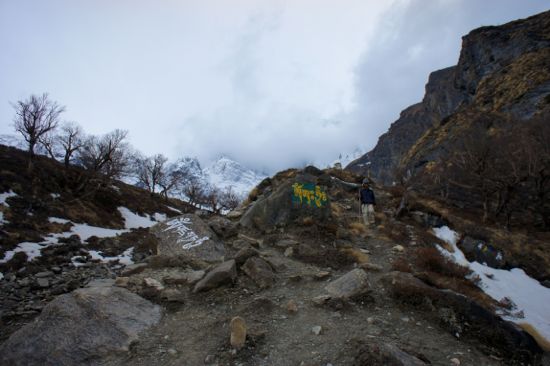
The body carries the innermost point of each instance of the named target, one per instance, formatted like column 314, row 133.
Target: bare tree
column 229, row 200
column 62, row 145
column 151, row 170
column 194, row 191
column 106, row 154
column 34, row 118
column 104, row 158
column 70, row 139
column 472, row 166
column 212, row 198
column 172, row 180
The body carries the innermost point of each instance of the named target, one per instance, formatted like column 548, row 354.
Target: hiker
column 366, row 196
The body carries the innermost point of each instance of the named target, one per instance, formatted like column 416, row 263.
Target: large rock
column 385, row 354
column 352, row 284
column 223, row 274
column 260, row 272
column 479, row 251
column 188, row 235
column 223, row 227
column 297, row 198
column 84, row 327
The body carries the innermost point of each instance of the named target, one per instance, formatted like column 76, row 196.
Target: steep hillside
column 50, row 223
column 502, row 70
column 293, row 277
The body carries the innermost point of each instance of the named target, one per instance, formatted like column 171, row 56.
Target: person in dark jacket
column 366, row 196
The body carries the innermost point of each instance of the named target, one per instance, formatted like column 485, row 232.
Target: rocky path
column 197, row 331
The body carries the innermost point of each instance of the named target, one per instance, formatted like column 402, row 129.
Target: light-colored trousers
column 368, row 213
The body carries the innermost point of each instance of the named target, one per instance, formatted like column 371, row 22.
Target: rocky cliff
column 441, row 99
column 501, row 70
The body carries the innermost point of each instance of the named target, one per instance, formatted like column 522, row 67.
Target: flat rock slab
column 352, row 284
column 188, row 235
column 84, row 327
column 223, row 274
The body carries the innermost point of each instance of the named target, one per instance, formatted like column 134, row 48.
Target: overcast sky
column 272, row 84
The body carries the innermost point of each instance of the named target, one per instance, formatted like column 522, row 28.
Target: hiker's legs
column 365, row 211
column 370, row 214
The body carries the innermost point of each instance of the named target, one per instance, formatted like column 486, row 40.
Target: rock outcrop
column 501, row 70
column 188, row 235
column 303, row 196
column 441, row 99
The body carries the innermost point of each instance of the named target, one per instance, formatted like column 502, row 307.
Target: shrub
column 431, row 260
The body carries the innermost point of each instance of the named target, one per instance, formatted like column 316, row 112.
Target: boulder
column 188, row 235
column 223, row 227
column 134, row 269
column 260, row 272
column 247, row 252
column 294, row 199
column 285, row 243
column 385, row 354
column 184, row 278
column 84, row 327
column 479, row 251
column 352, row 284
column 225, row 273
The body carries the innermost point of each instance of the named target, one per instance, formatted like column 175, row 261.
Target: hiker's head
column 365, row 182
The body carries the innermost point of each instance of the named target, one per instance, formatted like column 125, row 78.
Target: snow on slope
column 84, row 231
column 529, row 296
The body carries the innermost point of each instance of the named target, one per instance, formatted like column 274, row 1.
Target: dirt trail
column 197, row 332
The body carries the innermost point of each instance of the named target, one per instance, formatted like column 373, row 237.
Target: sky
column 271, row 84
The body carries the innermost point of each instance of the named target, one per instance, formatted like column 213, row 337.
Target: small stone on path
column 291, row 306
column 238, row 332
column 316, row 329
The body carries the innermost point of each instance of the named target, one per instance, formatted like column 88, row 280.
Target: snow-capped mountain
column 225, row 172
column 191, row 167
column 346, row 158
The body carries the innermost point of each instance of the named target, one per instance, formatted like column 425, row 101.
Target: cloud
column 273, row 84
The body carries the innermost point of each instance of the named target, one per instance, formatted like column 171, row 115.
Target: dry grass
column 358, row 256
column 431, row 260
column 357, row 228
column 402, row 265
column 336, row 210
column 539, row 338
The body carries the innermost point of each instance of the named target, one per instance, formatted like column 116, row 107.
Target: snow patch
column 85, row 231
column 57, row 220
column 55, row 195
column 124, row 258
column 31, row 249
column 529, row 296
column 174, row 209
column 2, row 221
column 134, row 221
column 1, row 276
column 5, row 196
